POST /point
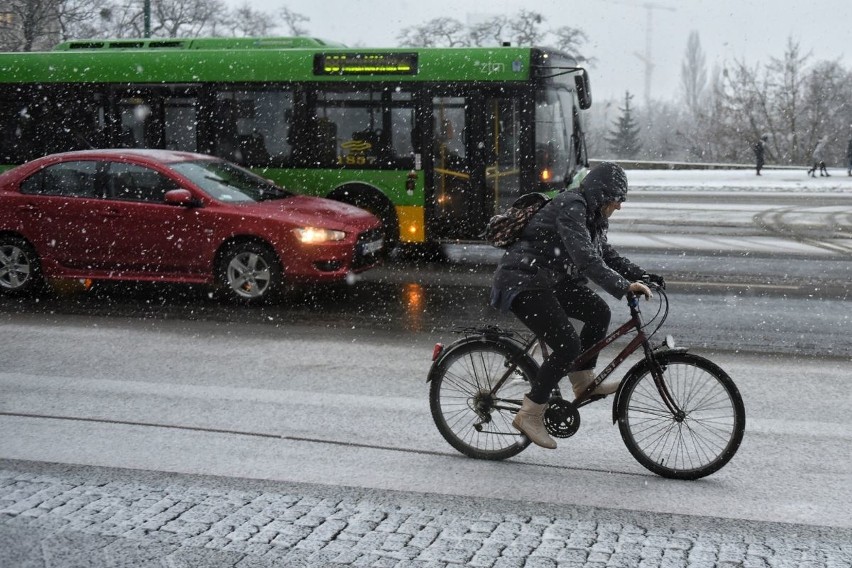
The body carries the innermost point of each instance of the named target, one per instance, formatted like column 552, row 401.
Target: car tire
column 20, row 269
column 249, row 273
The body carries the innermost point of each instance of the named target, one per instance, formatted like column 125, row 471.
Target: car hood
column 316, row 212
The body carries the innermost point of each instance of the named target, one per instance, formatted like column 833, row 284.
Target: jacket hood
column 604, row 183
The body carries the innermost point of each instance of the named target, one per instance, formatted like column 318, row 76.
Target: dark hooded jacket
column 567, row 239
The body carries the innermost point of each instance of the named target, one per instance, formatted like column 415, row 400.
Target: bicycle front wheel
column 473, row 416
column 697, row 443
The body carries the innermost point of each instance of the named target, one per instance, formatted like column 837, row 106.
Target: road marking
column 298, row 439
column 738, row 285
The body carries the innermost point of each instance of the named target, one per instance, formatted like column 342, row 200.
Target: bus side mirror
column 584, row 90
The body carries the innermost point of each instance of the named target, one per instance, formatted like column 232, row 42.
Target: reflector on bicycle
column 436, row 351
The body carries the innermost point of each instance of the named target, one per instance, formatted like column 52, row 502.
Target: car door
column 155, row 238
column 67, row 217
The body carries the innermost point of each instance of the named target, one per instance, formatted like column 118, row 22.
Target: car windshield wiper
column 273, row 193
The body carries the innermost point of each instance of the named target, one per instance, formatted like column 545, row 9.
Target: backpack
column 505, row 228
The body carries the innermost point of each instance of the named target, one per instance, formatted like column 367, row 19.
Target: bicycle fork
column 659, row 380
column 653, row 365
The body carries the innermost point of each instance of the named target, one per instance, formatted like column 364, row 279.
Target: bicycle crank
column 562, row 419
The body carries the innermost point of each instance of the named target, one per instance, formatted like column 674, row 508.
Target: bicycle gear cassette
column 561, row 418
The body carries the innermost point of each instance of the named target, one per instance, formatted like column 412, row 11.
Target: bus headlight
column 314, row 235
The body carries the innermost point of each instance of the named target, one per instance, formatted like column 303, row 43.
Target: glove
column 656, row 279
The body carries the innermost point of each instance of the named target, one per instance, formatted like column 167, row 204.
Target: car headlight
column 314, row 235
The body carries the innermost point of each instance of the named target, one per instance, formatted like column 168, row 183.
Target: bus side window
column 326, row 141
column 252, row 127
column 13, row 127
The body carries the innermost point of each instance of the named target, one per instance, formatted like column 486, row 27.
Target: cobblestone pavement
column 65, row 516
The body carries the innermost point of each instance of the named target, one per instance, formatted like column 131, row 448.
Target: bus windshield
column 228, row 183
column 554, row 129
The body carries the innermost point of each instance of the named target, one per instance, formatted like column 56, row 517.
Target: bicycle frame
column 679, row 414
column 641, row 339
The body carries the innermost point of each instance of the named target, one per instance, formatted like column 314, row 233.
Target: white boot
column 530, row 421
column 580, row 381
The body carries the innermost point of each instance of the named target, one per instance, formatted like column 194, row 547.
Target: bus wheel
column 386, row 213
column 249, row 273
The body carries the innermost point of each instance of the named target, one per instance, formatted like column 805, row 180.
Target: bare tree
column 570, row 40
column 169, row 18
column 782, row 105
column 490, row 32
column 827, row 107
column 293, row 22
column 439, row 32
column 33, row 25
column 693, row 126
column 693, row 74
column 185, row 18
column 526, row 28
column 783, row 99
column 245, row 21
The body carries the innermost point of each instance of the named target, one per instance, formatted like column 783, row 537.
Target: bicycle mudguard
column 515, row 346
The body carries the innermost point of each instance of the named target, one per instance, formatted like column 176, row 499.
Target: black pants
column 546, row 313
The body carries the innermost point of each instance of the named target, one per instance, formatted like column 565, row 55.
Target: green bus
column 432, row 140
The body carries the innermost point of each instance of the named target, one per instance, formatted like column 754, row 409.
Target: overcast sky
column 750, row 30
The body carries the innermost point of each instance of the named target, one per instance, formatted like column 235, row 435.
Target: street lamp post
column 147, row 15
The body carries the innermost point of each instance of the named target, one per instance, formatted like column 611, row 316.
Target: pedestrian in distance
column 849, row 157
column 543, row 279
column 819, row 159
column 760, row 152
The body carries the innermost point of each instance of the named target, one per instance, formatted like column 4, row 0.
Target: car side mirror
column 181, row 197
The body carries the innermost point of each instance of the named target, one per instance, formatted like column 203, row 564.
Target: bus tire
column 371, row 200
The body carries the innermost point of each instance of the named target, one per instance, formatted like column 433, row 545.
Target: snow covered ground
column 796, row 181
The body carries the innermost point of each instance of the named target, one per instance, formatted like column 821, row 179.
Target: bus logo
column 489, row 67
column 356, row 146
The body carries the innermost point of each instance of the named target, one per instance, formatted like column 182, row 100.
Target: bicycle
column 679, row 414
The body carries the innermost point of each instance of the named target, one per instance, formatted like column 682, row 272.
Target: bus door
column 157, row 117
column 455, row 202
column 475, row 161
column 503, row 137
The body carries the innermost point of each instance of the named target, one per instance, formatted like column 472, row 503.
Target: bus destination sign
column 365, row 64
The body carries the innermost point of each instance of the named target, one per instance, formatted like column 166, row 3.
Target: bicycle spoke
column 471, row 417
column 695, row 442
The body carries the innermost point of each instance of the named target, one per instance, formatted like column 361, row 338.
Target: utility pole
column 146, row 9
column 648, row 57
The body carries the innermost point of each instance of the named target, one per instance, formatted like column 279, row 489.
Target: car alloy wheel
column 19, row 268
column 250, row 272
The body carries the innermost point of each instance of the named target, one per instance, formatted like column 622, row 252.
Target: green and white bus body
column 432, row 140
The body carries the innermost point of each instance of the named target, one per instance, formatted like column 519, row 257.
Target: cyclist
column 542, row 279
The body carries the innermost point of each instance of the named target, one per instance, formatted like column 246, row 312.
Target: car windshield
column 229, row 183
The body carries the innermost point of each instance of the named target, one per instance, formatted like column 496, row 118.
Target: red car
column 158, row 215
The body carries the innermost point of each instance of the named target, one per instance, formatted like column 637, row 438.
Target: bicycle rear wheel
column 700, row 443
column 473, row 419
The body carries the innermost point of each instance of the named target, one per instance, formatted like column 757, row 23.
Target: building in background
column 29, row 25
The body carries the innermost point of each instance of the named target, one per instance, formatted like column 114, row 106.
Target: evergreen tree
column 623, row 140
